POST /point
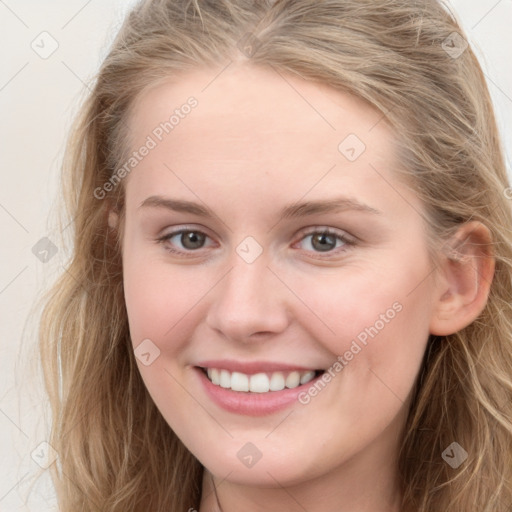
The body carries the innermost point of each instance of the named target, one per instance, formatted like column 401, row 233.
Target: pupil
column 322, row 238
column 191, row 240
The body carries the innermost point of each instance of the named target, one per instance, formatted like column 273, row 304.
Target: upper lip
column 252, row 367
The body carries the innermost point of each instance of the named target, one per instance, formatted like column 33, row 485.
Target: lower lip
column 252, row 404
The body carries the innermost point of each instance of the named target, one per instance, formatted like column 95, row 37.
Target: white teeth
column 239, row 382
column 225, row 379
column 258, row 382
column 306, row 377
column 293, row 380
column 277, row 381
column 214, row 375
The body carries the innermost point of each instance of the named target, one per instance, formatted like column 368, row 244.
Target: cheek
column 160, row 307
column 377, row 324
column 163, row 301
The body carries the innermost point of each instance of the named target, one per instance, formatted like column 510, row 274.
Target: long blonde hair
column 116, row 452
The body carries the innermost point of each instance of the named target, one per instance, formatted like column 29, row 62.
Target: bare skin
column 252, row 146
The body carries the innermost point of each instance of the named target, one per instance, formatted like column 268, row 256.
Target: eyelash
column 347, row 242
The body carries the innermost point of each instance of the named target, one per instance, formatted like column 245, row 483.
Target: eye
column 322, row 240
column 326, row 240
column 190, row 240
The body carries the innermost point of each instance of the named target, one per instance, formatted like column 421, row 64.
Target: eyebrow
column 292, row 211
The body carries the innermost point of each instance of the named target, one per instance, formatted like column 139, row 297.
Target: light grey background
column 38, row 97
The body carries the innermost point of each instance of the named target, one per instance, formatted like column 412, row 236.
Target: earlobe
column 113, row 219
column 465, row 275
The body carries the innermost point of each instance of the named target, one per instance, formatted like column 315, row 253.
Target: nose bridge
column 248, row 300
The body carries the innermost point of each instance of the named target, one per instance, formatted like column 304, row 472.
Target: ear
column 464, row 279
column 112, row 219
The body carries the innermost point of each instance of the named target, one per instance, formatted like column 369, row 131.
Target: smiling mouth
column 263, row 382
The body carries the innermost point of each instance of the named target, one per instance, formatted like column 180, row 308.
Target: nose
column 249, row 302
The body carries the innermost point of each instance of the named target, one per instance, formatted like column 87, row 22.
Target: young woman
column 291, row 280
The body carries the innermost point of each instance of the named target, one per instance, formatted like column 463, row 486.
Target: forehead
column 246, row 100
column 260, row 130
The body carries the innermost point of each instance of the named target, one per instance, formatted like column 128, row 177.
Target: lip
column 252, row 404
column 252, row 367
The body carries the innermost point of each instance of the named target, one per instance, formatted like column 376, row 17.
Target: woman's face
column 228, row 270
